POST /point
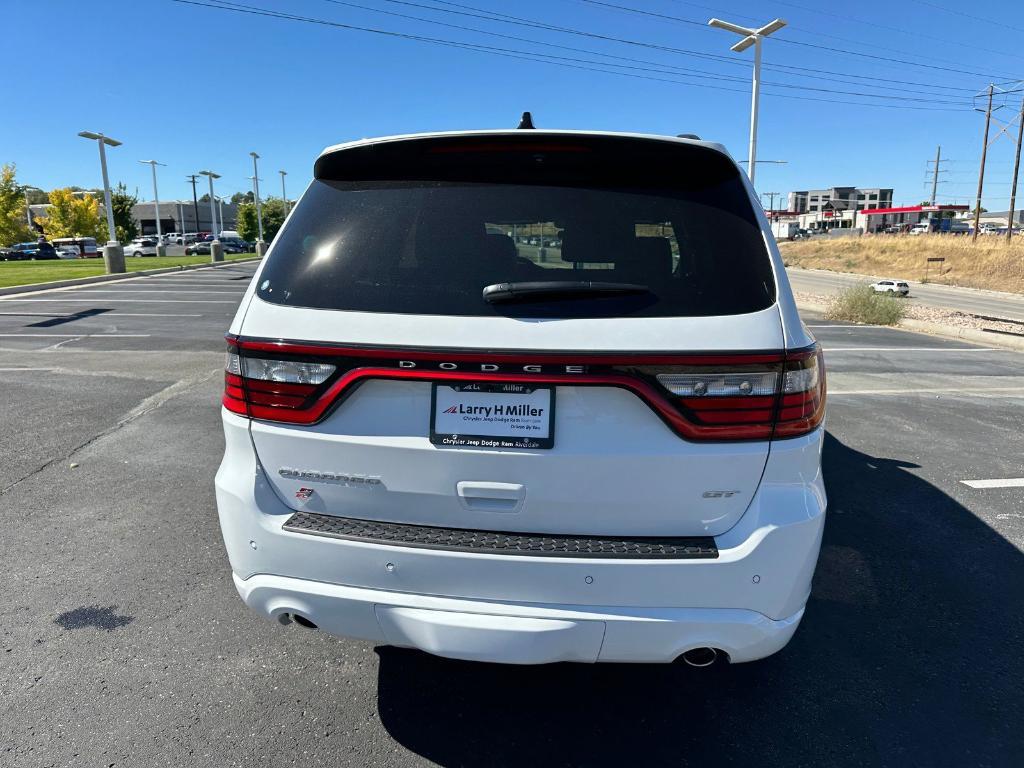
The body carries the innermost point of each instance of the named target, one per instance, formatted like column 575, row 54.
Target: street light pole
column 261, row 246
column 284, row 197
column 28, row 204
column 161, row 249
column 216, row 254
column 751, row 37
column 113, row 255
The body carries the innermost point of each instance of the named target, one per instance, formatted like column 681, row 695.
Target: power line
column 667, row 17
column 570, row 62
column 971, row 16
column 504, row 18
column 661, row 67
column 864, row 22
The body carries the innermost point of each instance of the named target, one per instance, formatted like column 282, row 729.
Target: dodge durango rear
column 525, row 397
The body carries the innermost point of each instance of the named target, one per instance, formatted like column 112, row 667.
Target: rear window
column 422, row 227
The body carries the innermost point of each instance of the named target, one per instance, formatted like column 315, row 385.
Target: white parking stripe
column 159, row 290
column 935, row 390
column 113, row 313
column 135, row 301
column 1009, row 482
column 75, row 335
column 832, row 350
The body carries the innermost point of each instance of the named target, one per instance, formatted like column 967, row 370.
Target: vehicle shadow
column 910, row 653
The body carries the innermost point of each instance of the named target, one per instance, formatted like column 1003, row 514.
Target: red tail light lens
column 753, row 396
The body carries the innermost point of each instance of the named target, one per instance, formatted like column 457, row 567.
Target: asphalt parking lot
column 123, row 642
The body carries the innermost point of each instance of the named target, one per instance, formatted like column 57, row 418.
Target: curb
column 937, row 329
column 34, row 287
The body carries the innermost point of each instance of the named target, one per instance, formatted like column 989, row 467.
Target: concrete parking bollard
column 216, row 251
column 261, row 248
column 161, row 250
column 113, row 258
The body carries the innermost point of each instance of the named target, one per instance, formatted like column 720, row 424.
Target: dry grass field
column 990, row 263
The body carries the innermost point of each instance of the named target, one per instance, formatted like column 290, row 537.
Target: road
column 994, row 303
column 123, row 642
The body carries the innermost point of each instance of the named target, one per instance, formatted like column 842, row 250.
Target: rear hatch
column 550, row 333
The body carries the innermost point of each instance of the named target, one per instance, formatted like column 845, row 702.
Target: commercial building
column 180, row 216
column 839, row 199
column 883, row 218
column 175, row 216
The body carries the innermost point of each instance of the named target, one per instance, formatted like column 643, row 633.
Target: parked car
column 141, row 246
column 32, row 251
column 199, row 248
column 433, row 441
column 68, row 252
column 895, row 287
column 923, row 228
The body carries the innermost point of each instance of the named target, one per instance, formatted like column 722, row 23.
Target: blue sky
column 197, row 87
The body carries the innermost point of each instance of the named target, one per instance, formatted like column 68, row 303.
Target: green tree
column 13, row 227
column 273, row 218
column 242, row 197
column 71, row 215
column 122, row 203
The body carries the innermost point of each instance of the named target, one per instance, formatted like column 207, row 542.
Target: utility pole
column 935, row 174
column 195, row 200
column 981, row 171
column 751, row 37
column 1016, row 169
column 284, row 197
column 771, row 201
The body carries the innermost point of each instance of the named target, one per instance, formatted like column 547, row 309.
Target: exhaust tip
column 302, row 621
column 700, row 657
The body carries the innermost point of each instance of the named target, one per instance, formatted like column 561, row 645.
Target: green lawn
column 31, row 272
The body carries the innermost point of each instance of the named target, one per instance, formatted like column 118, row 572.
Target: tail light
column 754, row 396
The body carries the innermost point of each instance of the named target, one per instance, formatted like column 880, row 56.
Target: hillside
column 990, row 263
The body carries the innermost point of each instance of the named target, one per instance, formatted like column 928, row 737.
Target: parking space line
column 135, row 301
column 75, row 335
column 112, row 313
column 158, row 290
column 915, row 349
column 925, row 390
column 1009, row 482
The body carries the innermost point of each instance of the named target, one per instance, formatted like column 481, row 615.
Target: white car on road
column 895, row 287
column 435, row 441
column 68, row 252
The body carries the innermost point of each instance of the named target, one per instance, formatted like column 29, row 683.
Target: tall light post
column 161, row 249
column 28, row 204
column 751, row 37
column 113, row 256
column 284, row 197
column 261, row 246
column 216, row 254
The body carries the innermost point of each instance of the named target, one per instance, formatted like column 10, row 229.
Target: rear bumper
column 517, row 633
column 525, row 609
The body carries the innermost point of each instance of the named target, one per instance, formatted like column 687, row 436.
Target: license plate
column 492, row 415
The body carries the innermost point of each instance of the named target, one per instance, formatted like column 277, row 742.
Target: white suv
column 445, row 433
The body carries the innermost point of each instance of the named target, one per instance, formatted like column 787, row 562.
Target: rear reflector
column 728, row 397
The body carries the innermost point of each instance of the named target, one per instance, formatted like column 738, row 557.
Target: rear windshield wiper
column 500, row 293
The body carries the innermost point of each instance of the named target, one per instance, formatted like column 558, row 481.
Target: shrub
column 861, row 304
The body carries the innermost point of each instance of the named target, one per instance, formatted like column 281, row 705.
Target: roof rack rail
column 693, row 136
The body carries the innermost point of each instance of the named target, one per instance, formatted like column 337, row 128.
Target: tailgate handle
column 490, row 497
